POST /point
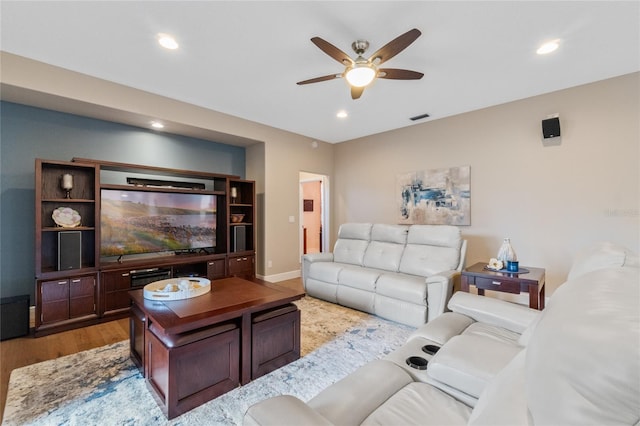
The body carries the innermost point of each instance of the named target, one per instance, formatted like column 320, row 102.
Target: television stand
column 77, row 286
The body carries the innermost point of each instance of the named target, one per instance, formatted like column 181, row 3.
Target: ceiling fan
column 360, row 72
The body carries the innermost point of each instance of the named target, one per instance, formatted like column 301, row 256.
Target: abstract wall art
column 435, row 197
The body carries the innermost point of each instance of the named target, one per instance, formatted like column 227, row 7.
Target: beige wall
column 550, row 200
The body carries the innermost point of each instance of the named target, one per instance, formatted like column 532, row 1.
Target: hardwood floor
column 19, row 352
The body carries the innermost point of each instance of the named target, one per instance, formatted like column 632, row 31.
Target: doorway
column 314, row 217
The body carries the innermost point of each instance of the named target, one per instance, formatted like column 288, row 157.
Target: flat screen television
column 137, row 222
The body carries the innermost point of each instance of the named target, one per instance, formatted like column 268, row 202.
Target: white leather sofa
column 404, row 273
column 575, row 363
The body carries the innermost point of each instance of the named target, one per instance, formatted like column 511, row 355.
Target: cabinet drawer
column 55, row 290
column 497, row 284
column 240, row 265
column 112, row 281
column 216, row 269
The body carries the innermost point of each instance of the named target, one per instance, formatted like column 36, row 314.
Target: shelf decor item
column 66, row 217
column 508, row 256
column 234, row 194
column 177, row 288
column 66, row 183
column 237, row 217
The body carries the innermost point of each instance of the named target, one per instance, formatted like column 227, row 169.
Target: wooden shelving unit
column 98, row 289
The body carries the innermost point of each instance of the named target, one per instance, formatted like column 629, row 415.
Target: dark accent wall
column 27, row 133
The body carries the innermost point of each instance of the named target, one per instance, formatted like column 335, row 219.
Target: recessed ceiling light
column 167, row 41
column 157, row 125
column 342, row 114
column 548, row 47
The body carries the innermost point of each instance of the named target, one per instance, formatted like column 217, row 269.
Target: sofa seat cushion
column 358, row 277
column 468, row 362
column 420, row 404
column 351, row 400
column 409, row 288
column 492, row 332
column 326, row 271
column 504, row 401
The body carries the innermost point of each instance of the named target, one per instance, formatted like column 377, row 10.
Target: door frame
column 324, row 205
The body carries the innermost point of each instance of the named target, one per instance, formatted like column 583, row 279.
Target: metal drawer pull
column 75, row 281
column 126, row 274
column 62, row 282
column 496, row 282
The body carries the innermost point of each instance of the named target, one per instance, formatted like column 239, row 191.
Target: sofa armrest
column 270, row 412
column 493, row 311
column 443, row 328
column 439, row 290
column 308, row 259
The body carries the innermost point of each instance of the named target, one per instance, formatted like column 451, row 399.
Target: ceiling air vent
column 419, row 117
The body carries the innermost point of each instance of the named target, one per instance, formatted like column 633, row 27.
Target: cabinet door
column 82, row 296
column 116, row 286
column 241, row 266
column 216, row 269
column 55, row 300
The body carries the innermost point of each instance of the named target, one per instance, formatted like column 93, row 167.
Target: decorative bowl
column 237, row 217
column 177, row 288
column 66, row 217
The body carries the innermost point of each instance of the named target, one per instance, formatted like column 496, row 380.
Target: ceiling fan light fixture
column 360, row 75
column 167, row 41
column 548, row 47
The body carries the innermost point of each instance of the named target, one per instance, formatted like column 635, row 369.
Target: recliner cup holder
column 430, row 349
column 417, row 362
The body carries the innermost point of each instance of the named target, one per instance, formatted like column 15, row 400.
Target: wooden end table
column 531, row 282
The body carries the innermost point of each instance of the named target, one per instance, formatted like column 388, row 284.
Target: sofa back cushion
column 582, row 360
column 353, row 239
column 601, row 255
column 431, row 249
column 386, row 247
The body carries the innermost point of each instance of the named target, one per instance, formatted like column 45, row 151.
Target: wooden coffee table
column 191, row 351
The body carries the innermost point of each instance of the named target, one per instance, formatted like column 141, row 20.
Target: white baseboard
column 280, row 277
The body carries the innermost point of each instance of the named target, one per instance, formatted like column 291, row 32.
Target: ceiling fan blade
column 332, row 51
column 396, row 74
column 319, row 79
column 356, row 92
column 395, row 46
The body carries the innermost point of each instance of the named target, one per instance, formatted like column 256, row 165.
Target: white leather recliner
column 575, row 363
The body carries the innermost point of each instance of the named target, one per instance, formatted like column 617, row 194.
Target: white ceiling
column 243, row 58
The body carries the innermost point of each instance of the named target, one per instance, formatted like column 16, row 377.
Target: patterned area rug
column 103, row 387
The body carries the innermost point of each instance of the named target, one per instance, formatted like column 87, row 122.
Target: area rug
column 103, row 387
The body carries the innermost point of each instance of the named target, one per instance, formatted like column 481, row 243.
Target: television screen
column 134, row 222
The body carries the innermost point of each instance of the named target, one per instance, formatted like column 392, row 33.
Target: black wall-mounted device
column 551, row 127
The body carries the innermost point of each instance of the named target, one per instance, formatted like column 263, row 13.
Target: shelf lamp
column 66, row 183
column 234, row 194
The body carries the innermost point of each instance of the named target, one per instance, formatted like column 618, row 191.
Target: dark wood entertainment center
column 95, row 289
